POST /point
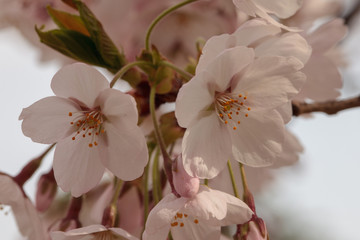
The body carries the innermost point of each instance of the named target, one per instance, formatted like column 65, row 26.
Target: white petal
column 248, row 33
column 193, row 98
column 79, row 81
column 79, row 233
column 126, row 151
column 192, row 231
column 223, row 68
column 159, row 220
column 118, row 107
column 206, row 147
column 26, row 216
column 287, row 45
column 320, row 40
column 47, row 120
column 285, row 111
column 77, row 167
column 281, row 8
column 258, row 139
column 218, row 208
column 124, row 235
column 323, row 80
column 270, row 82
column 291, row 150
column 246, row 6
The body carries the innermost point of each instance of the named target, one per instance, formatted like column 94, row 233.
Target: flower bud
column 185, row 185
column 46, row 191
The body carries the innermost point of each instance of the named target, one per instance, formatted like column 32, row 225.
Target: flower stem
column 124, row 69
column 236, row 193
column 110, row 212
column 243, row 178
column 161, row 16
column 146, row 191
column 155, row 177
column 167, row 160
column 183, row 73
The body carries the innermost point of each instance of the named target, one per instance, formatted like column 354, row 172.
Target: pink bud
column 185, row 185
column 46, row 191
column 257, row 231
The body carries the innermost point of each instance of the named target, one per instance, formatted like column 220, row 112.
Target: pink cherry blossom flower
column 95, row 127
column 93, row 232
column 230, row 110
column 262, row 8
column 25, row 213
column 199, row 217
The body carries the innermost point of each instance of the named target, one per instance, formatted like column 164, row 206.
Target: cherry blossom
column 262, row 8
column 233, row 102
column 25, row 213
column 199, row 217
column 93, row 232
column 95, row 127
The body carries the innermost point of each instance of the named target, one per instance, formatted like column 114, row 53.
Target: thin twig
column 328, row 107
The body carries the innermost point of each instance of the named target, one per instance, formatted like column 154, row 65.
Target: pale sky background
column 319, row 197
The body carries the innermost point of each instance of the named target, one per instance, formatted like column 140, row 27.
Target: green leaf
column 72, row 44
column 102, row 41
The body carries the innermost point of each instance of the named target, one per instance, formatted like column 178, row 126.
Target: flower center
column 231, row 108
column 88, row 124
column 180, row 218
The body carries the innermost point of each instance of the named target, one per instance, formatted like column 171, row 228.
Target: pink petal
column 77, row 167
column 206, row 147
column 159, row 220
column 118, row 107
column 270, row 82
column 258, row 139
column 291, row 150
column 248, row 33
column 47, row 120
column 287, row 45
column 187, row 109
column 200, row 230
column 320, row 40
column 223, row 68
column 124, row 235
column 323, row 80
column 281, row 8
column 126, row 151
column 79, row 81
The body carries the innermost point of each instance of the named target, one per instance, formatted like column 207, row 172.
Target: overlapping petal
column 271, row 81
column 79, row 81
column 258, row 140
column 47, row 120
column 77, row 167
column 206, row 145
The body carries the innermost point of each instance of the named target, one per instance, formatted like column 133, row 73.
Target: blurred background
column 318, row 198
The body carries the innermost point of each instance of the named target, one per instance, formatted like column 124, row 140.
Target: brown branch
column 352, row 14
column 328, row 107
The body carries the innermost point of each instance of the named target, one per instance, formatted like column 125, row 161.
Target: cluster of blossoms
column 233, row 91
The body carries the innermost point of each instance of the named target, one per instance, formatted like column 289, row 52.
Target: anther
column 90, row 145
column 181, row 224
column 245, row 97
column 249, row 109
column 95, row 143
column 234, row 128
column 83, row 135
column 246, row 115
column 196, row 221
column 226, row 122
column 70, row 114
column 73, row 138
column 238, row 122
column 71, row 123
